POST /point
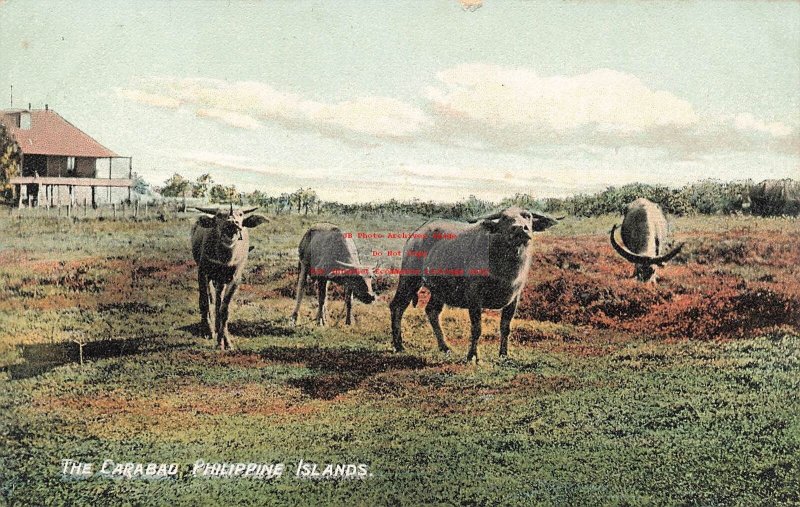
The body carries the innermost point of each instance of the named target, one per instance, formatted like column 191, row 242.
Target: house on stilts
column 60, row 164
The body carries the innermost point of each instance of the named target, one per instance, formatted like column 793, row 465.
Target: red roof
column 50, row 134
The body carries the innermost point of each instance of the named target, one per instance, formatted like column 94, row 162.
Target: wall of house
column 56, row 166
column 85, row 167
column 33, row 164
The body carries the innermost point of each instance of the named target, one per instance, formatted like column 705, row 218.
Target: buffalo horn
column 249, row 210
column 493, row 216
column 348, row 265
column 642, row 259
column 209, row 211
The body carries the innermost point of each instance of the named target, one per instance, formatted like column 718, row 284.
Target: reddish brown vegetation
column 706, row 293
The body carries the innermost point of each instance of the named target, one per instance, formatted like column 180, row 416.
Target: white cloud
column 244, row 103
column 747, row 122
column 605, row 100
column 479, row 106
column 238, row 120
column 150, row 99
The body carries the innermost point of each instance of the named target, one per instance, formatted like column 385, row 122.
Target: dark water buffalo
column 220, row 245
column 326, row 255
column 644, row 234
column 473, row 266
column 775, row 197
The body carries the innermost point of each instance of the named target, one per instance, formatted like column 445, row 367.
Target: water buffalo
column 474, row 266
column 775, row 197
column 326, row 255
column 220, row 245
column 644, row 233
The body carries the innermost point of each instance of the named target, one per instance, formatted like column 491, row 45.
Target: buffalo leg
column 505, row 325
column 322, row 288
column 407, row 288
column 301, row 284
column 433, row 310
column 205, row 326
column 475, row 321
column 217, row 312
column 348, row 306
column 223, row 305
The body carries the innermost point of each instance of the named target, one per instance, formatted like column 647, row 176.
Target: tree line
column 703, row 197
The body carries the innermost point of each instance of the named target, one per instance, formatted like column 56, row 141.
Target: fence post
column 114, row 206
column 136, row 210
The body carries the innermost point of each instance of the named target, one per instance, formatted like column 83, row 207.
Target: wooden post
column 84, row 207
column 19, row 194
column 51, row 195
column 94, row 198
column 114, row 207
column 71, row 195
column 136, row 210
column 145, row 209
column 69, row 210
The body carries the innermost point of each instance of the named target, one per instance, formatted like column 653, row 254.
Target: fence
column 109, row 211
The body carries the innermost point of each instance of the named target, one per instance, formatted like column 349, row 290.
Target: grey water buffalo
column 220, row 245
column 327, row 255
column 644, row 235
column 468, row 265
column 775, row 197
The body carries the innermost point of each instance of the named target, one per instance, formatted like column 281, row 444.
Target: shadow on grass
column 251, row 329
column 43, row 357
column 339, row 370
column 243, row 329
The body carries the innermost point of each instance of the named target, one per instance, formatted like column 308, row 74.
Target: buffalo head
column 645, row 265
column 360, row 282
column 519, row 224
column 230, row 222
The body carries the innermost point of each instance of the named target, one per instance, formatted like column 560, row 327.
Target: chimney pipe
column 29, row 106
column 45, row 107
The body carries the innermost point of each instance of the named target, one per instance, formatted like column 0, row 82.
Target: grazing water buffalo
column 775, row 197
column 473, row 266
column 220, row 246
column 326, row 255
column 644, row 233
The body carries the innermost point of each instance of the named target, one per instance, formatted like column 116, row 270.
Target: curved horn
column 642, row 259
column 493, row 216
column 249, row 210
column 348, row 265
column 231, row 211
column 209, row 211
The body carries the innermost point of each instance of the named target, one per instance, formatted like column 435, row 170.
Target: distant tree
column 9, row 161
column 140, row 186
column 224, row 194
column 176, row 186
column 309, row 199
column 201, row 186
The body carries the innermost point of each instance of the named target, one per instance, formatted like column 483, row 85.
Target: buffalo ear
column 491, row 225
column 206, row 222
column 542, row 222
column 254, row 221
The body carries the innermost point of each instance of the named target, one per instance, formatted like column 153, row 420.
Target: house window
column 70, row 165
column 25, row 120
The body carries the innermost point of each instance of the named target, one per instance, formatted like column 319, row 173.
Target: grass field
column 615, row 392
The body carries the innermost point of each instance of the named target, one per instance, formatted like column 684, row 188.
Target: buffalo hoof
column 398, row 347
column 205, row 330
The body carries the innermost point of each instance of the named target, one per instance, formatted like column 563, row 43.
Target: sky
column 371, row 100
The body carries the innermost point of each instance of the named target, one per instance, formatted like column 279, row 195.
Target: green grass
column 580, row 419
